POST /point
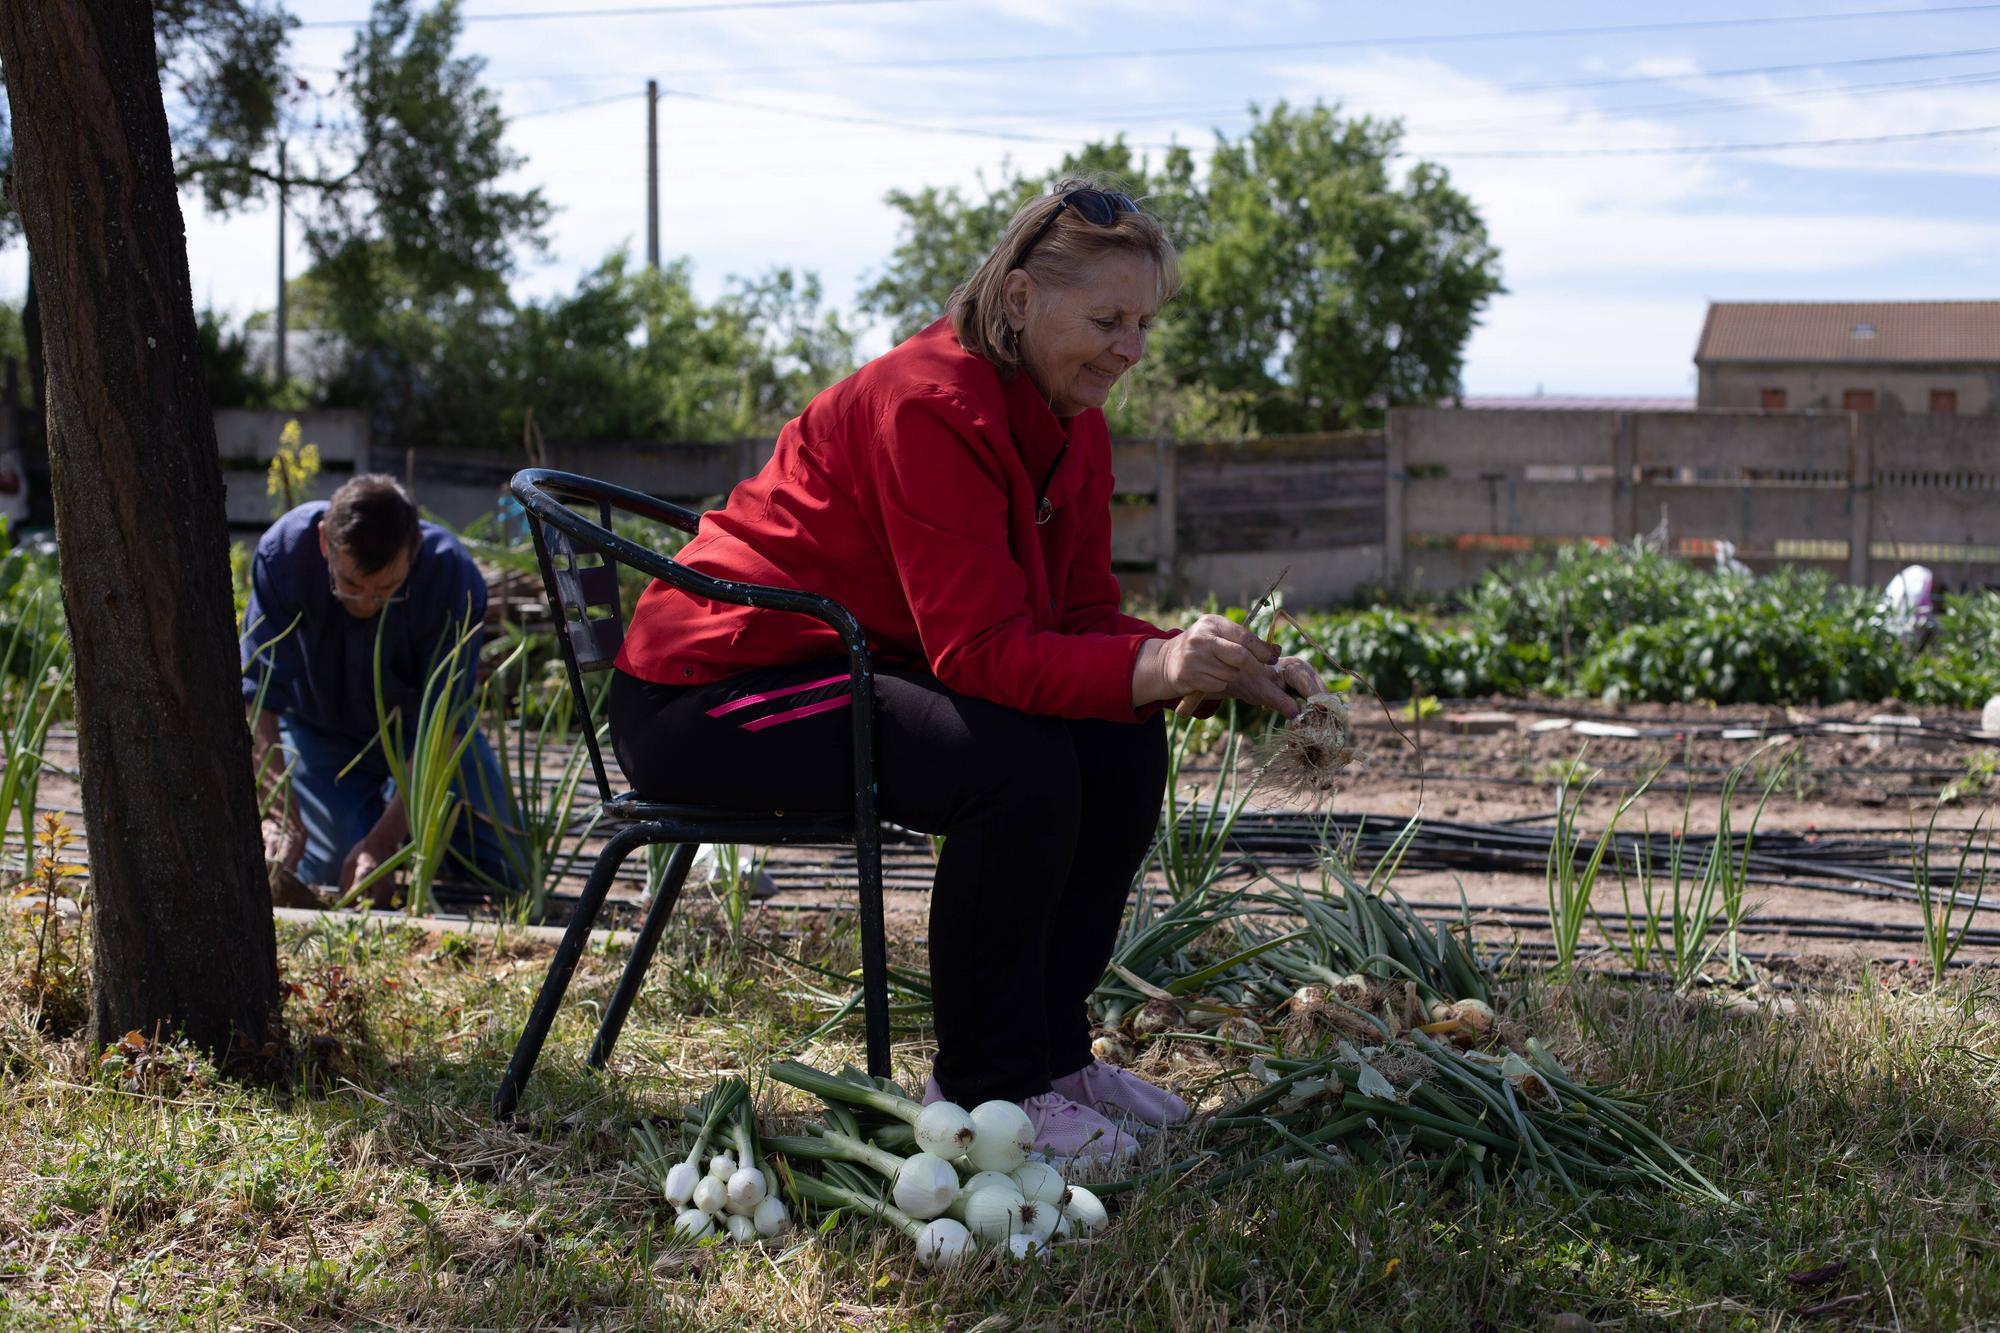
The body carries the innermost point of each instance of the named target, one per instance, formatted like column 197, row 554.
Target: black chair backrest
column 584, row 587
column 579, row 561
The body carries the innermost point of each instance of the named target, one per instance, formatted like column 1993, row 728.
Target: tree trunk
column 181, row 913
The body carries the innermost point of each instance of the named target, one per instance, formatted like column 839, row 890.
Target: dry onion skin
column 1306, row 757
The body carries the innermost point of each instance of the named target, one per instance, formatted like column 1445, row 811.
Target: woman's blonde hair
column 1063, row 258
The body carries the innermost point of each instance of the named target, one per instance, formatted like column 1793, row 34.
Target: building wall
column 1898, row 388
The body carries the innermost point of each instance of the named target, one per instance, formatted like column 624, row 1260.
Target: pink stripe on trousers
column 749, row 699
column 792, row 714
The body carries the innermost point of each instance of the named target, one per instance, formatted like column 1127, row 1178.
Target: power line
column 1346, row 43
column 1687, row 150
column 568, row 107
column 1614, row 81
column 883, row 122
column 1709, row 105
column 640, row 11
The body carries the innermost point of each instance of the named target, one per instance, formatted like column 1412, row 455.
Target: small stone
column 1989, row 720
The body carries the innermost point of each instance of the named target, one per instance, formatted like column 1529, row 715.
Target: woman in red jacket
column 955, row 495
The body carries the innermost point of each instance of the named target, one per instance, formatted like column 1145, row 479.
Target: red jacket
column 907, row 492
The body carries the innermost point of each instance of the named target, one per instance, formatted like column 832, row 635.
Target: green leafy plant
column 423, row 755
column 1944, row 928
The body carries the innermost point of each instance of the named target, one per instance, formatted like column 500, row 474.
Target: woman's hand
column 1298, row 679
column 1215, row 657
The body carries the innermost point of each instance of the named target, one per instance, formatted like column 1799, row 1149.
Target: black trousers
column 1046, row 823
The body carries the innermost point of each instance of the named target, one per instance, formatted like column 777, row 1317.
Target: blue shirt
column 323, row 670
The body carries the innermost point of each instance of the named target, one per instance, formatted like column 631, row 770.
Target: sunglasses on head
column 1100, row 208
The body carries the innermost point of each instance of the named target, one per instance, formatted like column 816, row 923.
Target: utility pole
column 653, row 175
column 278, row 347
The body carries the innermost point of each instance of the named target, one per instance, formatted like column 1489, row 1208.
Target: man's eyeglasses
column 362, row 598
column 1100, row 208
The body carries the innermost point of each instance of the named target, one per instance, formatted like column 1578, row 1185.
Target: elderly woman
column 955, row 495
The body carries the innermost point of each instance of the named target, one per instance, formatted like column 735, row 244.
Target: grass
column 375, row 1190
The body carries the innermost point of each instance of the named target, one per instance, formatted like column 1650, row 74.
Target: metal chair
column 578, row 560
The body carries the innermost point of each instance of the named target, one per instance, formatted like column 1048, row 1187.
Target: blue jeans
column 339, row 810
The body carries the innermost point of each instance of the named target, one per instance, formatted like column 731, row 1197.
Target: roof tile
column 1851, row 331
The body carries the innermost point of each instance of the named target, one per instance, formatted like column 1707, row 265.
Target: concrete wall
column 247, row 439
column 1898, row 388
column 1861, row 494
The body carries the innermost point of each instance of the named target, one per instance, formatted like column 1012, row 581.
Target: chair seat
column 736, row 825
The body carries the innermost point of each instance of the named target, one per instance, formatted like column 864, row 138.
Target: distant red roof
column 1851, row 331
column 1571, row 403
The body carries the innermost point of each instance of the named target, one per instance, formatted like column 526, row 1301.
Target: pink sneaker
column 1068, row 1132
column 1119, row 1095
column 1065, row 1131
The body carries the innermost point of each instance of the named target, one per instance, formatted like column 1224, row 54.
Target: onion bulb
column 710, row 1195
column 741, row 1229
column 1024, row 1246
column 1039, row 1182
column 945, row 1130
column 1086, row 1210
column 1002, row 1136
column 925, row 1186
column 1035, row 1219
column 745, row 1190
column 991, row 1213
column 722, row 1166
column 770, row 1218
column 679, row 1188
column 693, row 1224
column 944, row 1243
column 975, row 1183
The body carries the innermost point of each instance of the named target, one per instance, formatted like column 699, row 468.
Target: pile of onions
column 733, row 1195
column 968, row 1186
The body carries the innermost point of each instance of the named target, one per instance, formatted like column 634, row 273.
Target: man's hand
column 285, row 837
column 1217, row 658
column 363, row 860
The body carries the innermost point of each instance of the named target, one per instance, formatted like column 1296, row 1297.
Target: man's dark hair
column 371, row 521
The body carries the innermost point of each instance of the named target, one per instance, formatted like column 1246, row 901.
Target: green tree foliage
column 1321, row 285
column 419, row 216
column 629, row 354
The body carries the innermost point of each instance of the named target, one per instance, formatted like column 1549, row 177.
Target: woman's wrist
column 1148, row 674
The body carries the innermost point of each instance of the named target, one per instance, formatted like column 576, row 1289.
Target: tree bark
column 181, row 914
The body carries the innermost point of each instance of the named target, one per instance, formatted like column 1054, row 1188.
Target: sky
column 1627, row 176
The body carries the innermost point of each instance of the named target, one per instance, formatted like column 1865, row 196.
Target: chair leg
column 874, row 945
column 643, row 949
column 529, row 1048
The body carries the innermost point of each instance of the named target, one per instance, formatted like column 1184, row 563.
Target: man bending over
column 329, row 580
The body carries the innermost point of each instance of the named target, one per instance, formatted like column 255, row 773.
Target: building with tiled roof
column 1935, row 357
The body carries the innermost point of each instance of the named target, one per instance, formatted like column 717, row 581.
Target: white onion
column 722, row 1166
column 1002, row 1136
column 711, row 1195
column 973, row 1184
column 1086, row 1210
column 992, row 1213
column 944, row 1243
column 693, row 1224
column 1023, row 1246
column 680, row 1184
column 1035, row 1219
column 770, row 1218
column 945, row 1130
column 741, row 1229
column 1040, row 1182
column 746, row 1190
column 925, row 1186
